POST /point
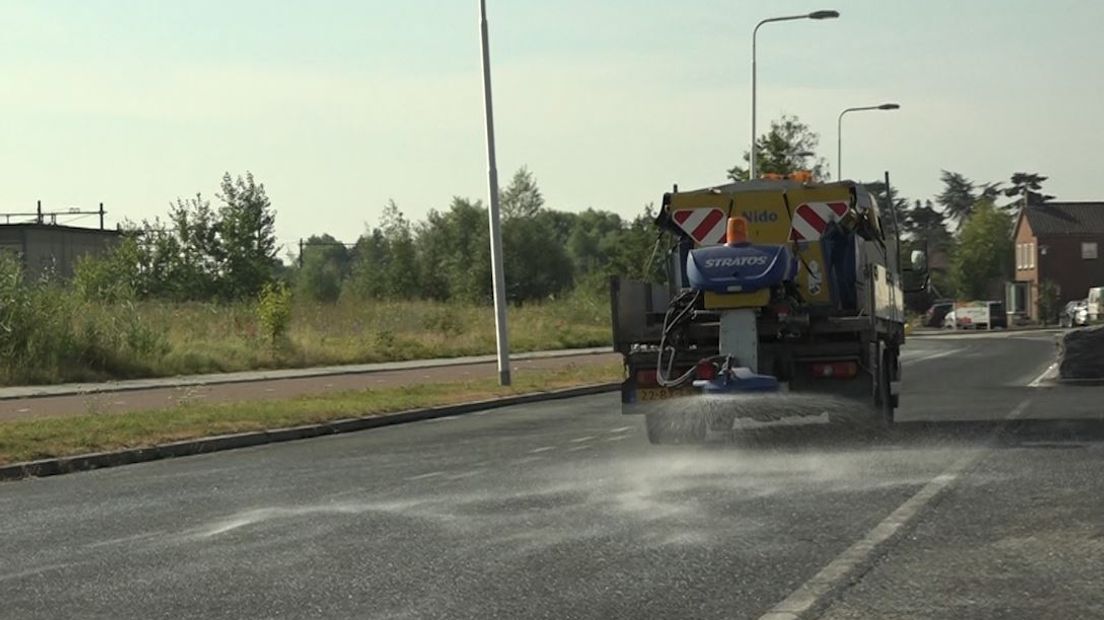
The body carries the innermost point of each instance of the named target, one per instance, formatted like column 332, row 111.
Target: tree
column 593, row 237
column 983, row 259
column 522, row 198
column 246, row 230
column 199, row 250
column 325, row 263
column 367, row 280
column 399, row 267
column 958, row 197
column 789, row 146
column 1027, row 189
column 637, row 255
column 888, row 206
column 924, row 222
column 537, row 267
column 454, row 255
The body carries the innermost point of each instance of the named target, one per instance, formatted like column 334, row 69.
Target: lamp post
column 839, row 131
column 754, row 34
column 497, row 271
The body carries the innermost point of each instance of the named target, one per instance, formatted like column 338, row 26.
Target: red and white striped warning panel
column 810, row 219
column 706, row 226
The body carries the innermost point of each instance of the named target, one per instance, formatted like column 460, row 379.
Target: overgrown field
column 50, row 334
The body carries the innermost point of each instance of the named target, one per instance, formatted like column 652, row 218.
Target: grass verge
column 27, row 440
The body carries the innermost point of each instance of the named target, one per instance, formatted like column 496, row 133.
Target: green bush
column 274, row 311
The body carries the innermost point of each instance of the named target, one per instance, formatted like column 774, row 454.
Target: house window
column 1031, row 255
column 1088, row 250
column 1020, row 256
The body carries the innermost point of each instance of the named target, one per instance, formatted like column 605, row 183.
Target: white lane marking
column 577, row 448
column 930, row 356
column 529, row 459
column 848, row 566
column 467, row 474
column 617, row 438
column 542, row 449
column 431, row 474
column 582, row 439
column 1045, row 376
column 621, row 429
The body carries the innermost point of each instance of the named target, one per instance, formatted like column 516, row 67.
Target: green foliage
column 247, row 237
column 788, row 147
column 1050, row 300
column 199, row 254
column 537, row 266
column 984, row 256
column 274, row 311
column 521, row 198
column 958, row 197
column 111, row 277
column 325, row 263
column 1026, row 188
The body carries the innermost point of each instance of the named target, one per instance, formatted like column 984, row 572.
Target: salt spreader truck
column 774, row 285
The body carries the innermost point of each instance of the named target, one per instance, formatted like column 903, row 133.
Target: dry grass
column 147, row 339
column 27, row 440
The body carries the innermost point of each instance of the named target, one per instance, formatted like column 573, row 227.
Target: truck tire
column 674, row 428
column 884, row 401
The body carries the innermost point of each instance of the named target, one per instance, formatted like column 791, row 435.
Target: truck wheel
column 671, row 428
column 884, row 401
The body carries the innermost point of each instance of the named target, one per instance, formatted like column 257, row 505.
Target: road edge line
column 849, row 566
column 217, row 443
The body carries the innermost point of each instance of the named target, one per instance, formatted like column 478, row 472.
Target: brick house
column 1059, row 242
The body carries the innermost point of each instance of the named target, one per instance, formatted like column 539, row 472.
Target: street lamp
column 839, row 131
column 497, row 271
column 754, row 34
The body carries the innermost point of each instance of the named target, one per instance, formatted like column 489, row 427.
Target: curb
column 1081, row 382
column 190, row 447
column 280, row 374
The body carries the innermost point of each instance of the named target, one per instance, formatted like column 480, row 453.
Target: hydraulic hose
column 678, row 311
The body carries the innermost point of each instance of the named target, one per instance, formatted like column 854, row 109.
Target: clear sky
column 339, row 105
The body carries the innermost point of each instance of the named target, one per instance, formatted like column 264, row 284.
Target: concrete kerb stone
column 98, row 460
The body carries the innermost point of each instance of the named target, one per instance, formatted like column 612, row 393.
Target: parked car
column 936, row 314
column 1075, row 314
column 949, row 320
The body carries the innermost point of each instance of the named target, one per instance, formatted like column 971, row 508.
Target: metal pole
column 896, row 223
column 839, row 146
column 497, row 272
column 300, row 252
column 102, row 216
column 752, row 163
column 752, row 158
column 839, row 131
column 39, row 211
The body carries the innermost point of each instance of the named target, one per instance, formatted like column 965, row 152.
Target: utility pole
column 497, row 272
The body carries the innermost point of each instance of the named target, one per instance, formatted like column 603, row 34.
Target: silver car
column 1075, row 314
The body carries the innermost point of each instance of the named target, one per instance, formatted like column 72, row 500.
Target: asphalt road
column 562, row 510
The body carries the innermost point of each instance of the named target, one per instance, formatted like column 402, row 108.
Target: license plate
column 663, row 393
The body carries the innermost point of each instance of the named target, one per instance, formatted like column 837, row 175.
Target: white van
column 1095, row 302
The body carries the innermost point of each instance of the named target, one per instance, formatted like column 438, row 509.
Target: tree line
column 447, row 256
column 229, row 250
